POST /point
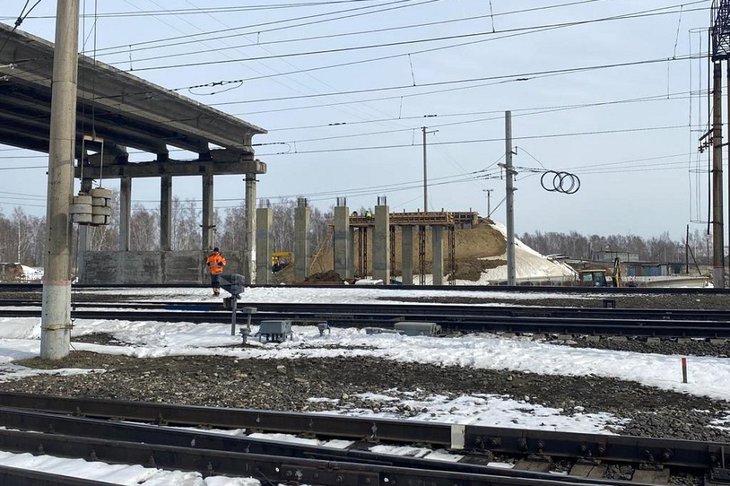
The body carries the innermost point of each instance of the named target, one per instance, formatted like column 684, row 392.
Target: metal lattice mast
column 721, row 30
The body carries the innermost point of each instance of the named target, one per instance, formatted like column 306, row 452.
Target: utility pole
column 489, row 201
column 718, row 246
column 425, row 173
column 56, row 312
column 719, row 35
column 510, row 200
column 425, row 170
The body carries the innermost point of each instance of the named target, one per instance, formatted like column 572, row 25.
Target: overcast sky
column 628, row 132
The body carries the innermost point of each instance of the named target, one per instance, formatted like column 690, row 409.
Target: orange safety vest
column 215, row 263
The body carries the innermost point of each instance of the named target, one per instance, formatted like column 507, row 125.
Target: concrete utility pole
column 425, row 169
column 56, row 313
column 718, row 246
column 510, row 200
column 489, row 201
column 425, row 173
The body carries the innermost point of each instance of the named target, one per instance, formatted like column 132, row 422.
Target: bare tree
column 186, row 234
column 144, row 229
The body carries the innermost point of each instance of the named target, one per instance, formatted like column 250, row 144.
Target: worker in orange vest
column 215, row 262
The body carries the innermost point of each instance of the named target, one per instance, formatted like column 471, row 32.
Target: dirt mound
column 324, row 277
column 11, row 272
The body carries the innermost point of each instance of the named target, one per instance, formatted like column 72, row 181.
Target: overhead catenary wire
column 499, row 36
column 520, row 31
column 193, row 38
column 480, row 140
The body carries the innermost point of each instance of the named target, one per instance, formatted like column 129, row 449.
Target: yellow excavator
column 602, row 277
column 280, row 260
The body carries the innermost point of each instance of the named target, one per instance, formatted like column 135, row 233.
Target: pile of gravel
column 278, row 384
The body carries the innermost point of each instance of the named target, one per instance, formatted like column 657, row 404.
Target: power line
column 124, row 49
column 483, row 140
column 21, row 17
column 646, row 13
column 518, row 30
column 189, row 38
column 519, row 77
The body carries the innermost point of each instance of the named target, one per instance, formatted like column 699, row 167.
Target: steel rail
column 670, row 452
column 464, row 310
column 23, row 477
column 464, row 323
column 28, row 420
column 263, row 467
column 486, row 289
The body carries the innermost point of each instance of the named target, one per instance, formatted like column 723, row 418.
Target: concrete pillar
column 83, row 248
column 208, row 227
column 125, row 212
column 264, row 218
column 350, row 273
column 341, row 243
column 381, row 244
column 56, row 308
column 437, row 254
column 407, row 254
column 301, row 239
column 248, row 258
column 165, row 213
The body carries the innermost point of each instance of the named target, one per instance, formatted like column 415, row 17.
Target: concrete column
column 407, row 254
column 350, row 273
column 56, row 308
column 264, row 218
column 84, row 246
column 301, row 240
column 125, row 212
column 437, row 254
column 165, row 213
column 341, row 242
column 381, row 244
column 208, row 228
column 248, row 259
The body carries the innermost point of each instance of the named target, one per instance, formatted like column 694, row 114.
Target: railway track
column 91, row 428
column 486, row 289
column 667, row 323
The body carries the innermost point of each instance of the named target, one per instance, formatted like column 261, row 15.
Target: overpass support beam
column 381, row 243
column 341, row 240
column 165, row 213
column 407, row 254
column 302, row 214
column 264, row 218
column 437, row 254
column 125, row 212
column 208, row 226
column 248, row 257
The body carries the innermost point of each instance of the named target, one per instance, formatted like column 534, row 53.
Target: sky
column 348, row 121
column 20, row 339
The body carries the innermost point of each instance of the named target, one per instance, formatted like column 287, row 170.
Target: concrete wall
column 141, row 267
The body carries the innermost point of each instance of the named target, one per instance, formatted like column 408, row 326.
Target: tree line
column 660, row 248
column 22, row 236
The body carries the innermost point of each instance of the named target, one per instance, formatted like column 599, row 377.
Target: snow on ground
column 32, row 273
column 341, row 295
column 20, row 338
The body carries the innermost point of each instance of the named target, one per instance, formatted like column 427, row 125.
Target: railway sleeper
column 718, row 477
